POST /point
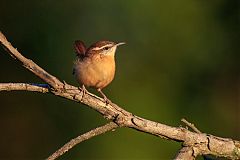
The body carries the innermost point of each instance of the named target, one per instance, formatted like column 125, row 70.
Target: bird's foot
column 83, row 90
column 107, row 101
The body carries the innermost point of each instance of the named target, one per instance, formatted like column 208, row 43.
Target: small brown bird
column 95, row 66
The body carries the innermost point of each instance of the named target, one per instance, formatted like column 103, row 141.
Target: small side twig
column 186, row 153
column 95, row 132
column 191, row 125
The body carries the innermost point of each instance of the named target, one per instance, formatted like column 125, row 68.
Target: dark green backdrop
column 181, row 60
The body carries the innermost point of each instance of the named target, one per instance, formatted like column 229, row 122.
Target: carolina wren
column 95, row 66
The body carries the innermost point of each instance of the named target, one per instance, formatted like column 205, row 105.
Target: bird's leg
column 107, row 101
column 83, row 89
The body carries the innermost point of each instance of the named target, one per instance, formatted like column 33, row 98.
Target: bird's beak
column 121, row 43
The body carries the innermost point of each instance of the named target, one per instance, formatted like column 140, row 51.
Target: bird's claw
column 107, row 101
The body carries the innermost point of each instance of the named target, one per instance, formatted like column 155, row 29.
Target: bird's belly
column 97, row 75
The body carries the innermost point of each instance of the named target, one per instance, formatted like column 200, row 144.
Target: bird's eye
column 106, row 48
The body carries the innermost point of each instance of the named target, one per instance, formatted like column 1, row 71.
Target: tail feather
column 80, row 48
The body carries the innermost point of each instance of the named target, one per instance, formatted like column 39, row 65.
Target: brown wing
column 80, row 48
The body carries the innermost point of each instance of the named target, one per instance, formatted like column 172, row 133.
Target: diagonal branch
column 95, row 132
column 205, row 143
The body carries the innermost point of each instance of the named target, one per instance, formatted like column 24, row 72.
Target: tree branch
column 43, row 88
column 205, row 143
column 95, row 132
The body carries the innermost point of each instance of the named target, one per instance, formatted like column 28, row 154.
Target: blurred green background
column 181, row 60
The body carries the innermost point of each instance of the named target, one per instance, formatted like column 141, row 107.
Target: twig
column 191, row 125
column 205, row 144
column 95, row 132
column 186, row 153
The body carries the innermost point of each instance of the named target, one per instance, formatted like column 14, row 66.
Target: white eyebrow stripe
column 99, row 48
